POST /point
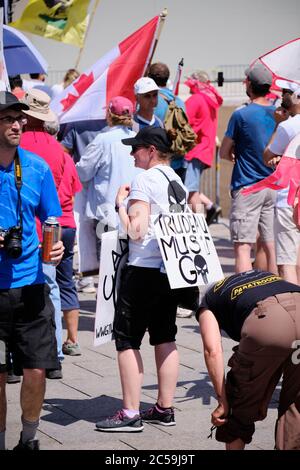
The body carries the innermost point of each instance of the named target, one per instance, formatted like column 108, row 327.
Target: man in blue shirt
column 146, row 92
column 249, row 131
column 27, row 330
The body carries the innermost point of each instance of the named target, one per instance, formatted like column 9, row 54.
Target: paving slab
column 90, row 390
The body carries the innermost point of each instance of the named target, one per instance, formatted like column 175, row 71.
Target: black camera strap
column 18, row 183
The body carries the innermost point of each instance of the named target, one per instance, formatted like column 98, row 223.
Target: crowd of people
column 124, row 169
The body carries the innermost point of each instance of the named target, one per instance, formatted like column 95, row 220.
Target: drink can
column 51, row 232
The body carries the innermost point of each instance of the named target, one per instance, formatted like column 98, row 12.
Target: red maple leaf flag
column 112, row 75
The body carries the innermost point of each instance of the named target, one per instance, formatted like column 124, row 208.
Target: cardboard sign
column 114, row 254
column 187, row 249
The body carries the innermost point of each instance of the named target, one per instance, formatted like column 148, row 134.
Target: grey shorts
column 287, row 237
column 250, row 214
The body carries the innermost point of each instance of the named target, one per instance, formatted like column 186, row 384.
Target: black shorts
column 145, row 301
column 27, row 329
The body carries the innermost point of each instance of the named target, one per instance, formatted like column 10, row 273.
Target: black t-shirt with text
column 232, row 299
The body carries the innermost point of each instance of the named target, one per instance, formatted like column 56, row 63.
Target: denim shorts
column 193, row 174
column 64, row 272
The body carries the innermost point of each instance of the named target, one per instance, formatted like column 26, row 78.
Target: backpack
column 177, row 119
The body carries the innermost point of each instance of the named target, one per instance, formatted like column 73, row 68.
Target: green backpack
column 177, row 120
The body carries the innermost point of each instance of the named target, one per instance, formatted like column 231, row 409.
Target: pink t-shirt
column 69, row 186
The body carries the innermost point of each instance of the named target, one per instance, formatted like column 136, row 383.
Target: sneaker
column 165, row 418
column 12, row 378
column 120, row 423
column 31, row 444
column 54, row 373
column 212, row 214
column 85, row 286
column 184, row 313
column 71, row 349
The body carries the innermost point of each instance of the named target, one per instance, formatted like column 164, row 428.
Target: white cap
column 288, row 85
column 144, row 85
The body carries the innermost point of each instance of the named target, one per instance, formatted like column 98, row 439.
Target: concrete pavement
column 90, row 390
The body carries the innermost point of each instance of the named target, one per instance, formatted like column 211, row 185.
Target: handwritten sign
column 114, row 254
column 187, row 249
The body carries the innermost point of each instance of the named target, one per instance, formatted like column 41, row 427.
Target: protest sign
column 187, row 249
column 114, row 253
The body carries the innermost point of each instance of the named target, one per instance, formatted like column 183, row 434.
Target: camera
column 12, row 241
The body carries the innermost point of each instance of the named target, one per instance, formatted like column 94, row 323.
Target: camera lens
column 13, row 242
column 14, row 250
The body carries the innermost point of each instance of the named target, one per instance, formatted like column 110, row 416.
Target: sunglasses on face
column 135, row 148
column 148, row 96
column 10, row 120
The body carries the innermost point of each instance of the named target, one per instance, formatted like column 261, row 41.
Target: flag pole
column 162, row 18
column 177, row 77
column 87, row 30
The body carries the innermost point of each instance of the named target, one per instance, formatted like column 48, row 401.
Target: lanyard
column 18, row 183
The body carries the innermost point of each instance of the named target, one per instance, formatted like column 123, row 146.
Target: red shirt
column 45, row 146
column 69, row 186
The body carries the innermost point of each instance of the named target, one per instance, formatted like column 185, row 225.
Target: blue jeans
column 50, row 277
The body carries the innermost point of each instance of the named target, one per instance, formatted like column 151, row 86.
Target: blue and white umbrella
column 20, row 54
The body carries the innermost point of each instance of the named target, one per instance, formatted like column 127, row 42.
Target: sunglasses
column 135, row 148
column 10, row 120
column 148, row 96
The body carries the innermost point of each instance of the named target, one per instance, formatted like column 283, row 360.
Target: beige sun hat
column 39, row 105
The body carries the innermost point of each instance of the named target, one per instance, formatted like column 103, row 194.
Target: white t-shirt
column 152, row 186
column 57, row 89
column 285, row 132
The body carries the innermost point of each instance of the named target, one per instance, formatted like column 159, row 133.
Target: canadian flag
column 284, row 61
column 286, row 174
column 112, row 75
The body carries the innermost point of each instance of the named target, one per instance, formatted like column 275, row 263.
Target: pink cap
column 120, row 105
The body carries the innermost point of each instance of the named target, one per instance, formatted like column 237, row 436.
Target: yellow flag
column 62, row 20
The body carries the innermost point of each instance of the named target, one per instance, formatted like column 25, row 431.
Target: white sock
column 29, row 429
column 131, row 413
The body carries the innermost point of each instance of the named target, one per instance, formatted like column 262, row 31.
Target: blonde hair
column 70, row 76
column 117, row 120
column 201, row 76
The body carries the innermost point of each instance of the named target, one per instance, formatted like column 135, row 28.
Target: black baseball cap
column 10, row 101
column 156, row 136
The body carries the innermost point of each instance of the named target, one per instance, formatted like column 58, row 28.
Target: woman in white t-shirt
column 145, row 300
